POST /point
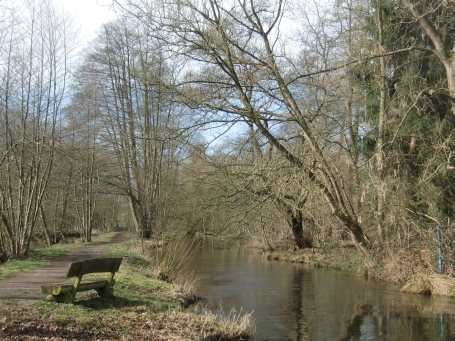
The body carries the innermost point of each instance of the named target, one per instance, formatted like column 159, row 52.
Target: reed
column 169, row 261
column 236, row 325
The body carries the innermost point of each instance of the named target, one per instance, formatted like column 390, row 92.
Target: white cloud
column 89, row 14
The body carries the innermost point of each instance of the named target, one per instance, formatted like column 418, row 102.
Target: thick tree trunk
column 142, row 224
column 380, row 167
column 296, row 223
column 446, row 57
column 3, row 256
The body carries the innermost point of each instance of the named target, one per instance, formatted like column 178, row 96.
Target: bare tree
column 139, row 115
column 34, row 60
column 220, row 40
column 343, row 91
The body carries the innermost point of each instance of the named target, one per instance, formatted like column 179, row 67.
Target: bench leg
column 104, row 293
column 67, row 298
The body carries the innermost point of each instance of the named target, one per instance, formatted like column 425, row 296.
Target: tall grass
column 236, row 325
column 441, row 285
column 210, row 327
column 169, row 260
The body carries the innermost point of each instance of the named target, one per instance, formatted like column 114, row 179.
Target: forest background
column 309, row 125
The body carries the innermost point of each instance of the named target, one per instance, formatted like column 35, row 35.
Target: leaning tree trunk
column 446, row 57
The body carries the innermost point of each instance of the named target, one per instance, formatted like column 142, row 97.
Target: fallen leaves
column 131, row 326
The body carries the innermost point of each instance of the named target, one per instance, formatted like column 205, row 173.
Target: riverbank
column 143, row 308
column 345, row 259
column 411, row 270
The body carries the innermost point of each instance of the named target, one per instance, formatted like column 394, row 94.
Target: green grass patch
column 347, row 260
column 125, row 250
column 143, row 308
column 51, row 252
column 14, row 266
column 135, row 283
column 38, row 258
column 35, row 259
column 105, row 237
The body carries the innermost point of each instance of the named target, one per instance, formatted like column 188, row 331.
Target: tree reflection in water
column 294, row 303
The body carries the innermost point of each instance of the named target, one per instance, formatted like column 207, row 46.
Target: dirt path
column 25, row 286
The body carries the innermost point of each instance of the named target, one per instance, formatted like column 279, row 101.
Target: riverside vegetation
column 412, row 270
column 144, row 307
column 329, row 125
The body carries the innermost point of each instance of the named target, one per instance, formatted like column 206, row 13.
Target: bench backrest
column 96, row 265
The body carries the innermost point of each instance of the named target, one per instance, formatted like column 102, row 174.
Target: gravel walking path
column 25, row 286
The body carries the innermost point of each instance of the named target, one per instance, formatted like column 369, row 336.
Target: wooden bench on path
column 66, row 292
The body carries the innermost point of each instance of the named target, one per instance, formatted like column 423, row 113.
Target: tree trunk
column 296, row 223
column 3, row 256
column 381, row 129
column 446, row 57
column 45, row 227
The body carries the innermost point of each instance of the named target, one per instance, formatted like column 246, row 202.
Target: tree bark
column 296, row 222
column 381, row 192
column 446, row 57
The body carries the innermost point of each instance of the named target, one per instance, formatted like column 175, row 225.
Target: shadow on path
column 25, row 286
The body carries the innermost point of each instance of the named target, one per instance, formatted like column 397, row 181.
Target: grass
column 409, row 268
column 38, row 258
column 35, row 259
column 347, row 260
column 169, row 260
column 236, row 325
column 441, row 285
column 143, row 308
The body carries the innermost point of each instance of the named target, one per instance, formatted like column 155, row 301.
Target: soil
column 25, row 286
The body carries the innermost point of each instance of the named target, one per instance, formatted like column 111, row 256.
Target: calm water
column 292, row 302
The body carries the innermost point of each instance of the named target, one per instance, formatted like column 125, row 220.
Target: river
column 294, row 303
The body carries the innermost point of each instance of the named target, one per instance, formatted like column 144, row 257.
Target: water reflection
column 291, row 302
column 297, row 305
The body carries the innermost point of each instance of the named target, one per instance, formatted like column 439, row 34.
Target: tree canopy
column 335, row 119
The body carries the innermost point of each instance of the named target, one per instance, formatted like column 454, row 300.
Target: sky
column 89, row 15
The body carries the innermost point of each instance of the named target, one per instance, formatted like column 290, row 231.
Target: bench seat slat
column 56, row 289
column 93, row 266
column 66, row 287
column 66, row 291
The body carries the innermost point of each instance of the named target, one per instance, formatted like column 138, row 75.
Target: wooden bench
column 66, row 292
